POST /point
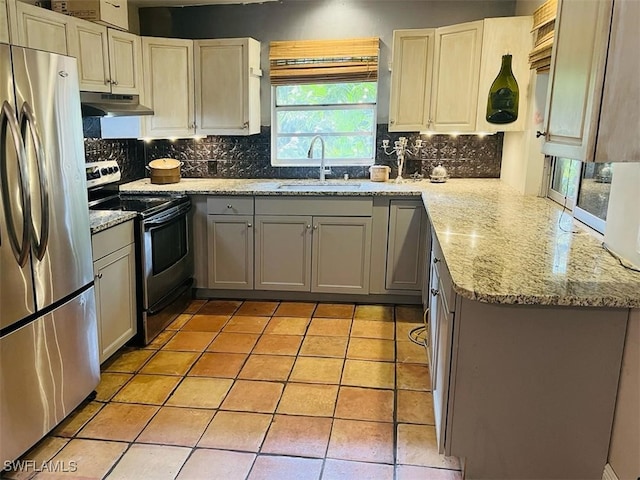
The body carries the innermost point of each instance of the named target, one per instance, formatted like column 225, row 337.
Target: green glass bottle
column 502, row 105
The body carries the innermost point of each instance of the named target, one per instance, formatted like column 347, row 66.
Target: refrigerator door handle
column 9, row 121
column 27, row 118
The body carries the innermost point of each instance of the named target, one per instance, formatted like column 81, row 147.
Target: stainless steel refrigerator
column 48, row 334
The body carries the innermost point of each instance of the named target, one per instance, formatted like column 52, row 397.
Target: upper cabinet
column 455, row 78
column 591, row 113
column 108, row 60
column 125, row 62
column 4, row 22
column 43, row 29
column 92, row 49
column 218, row 81
column 441, row 77
column 227, row 86
column 168, row 87
column 411, row 79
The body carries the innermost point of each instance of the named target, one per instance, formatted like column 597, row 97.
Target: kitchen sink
column 320, row 187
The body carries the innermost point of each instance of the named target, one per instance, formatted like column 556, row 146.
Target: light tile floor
column 258, row 390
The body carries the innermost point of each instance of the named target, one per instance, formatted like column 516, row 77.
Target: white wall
column 522, row 160
column 623, row 213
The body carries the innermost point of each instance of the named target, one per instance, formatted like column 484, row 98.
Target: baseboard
column 609, row 474
column 205, row 293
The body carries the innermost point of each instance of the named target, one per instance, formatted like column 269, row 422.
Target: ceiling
column 185, row 3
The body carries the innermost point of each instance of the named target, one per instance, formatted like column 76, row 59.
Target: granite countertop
column 499, row 246
column 100, row 220
column 207, row 186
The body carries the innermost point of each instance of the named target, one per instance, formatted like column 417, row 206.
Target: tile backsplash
column 249, row 156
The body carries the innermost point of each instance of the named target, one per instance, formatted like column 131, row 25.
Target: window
column 325, row 88
column 343, row 114
column 582, row 188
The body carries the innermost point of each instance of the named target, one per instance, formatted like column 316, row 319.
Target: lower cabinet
column 441, row 314
column 230, row 243
column 115, row 287
column 406, row 247
column 505, row 376
column 283, row 253
column 341, row 255
column 317, row 254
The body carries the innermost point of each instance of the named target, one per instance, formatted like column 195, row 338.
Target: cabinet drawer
column 446, row 284
column 112, row 239
column 306, row 205
column 230, row 205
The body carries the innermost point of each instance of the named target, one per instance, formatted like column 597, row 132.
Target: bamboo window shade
column 543, row 26
column 324, row 61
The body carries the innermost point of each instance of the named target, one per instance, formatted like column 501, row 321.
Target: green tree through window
column 344, row 114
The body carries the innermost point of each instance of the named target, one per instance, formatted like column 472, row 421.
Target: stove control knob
column 104, row 171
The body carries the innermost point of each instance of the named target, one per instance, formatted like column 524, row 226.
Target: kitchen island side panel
column 535, row 379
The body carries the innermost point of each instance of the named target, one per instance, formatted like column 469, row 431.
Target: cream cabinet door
column 456, row 72
column 230, row 251
column 93, row 56
column 115, row 288
column 125, row 62
column 227, row 83
column 341, row 254
column 576, row 78
column 283, row 253
column 411, row 77
column 43, row 29
column 168, row 86
column 4, row 22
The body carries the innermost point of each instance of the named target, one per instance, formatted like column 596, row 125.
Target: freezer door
column 16, row 282
column 47, row 368
column 48, row 103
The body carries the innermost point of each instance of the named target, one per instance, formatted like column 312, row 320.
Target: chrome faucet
column 323, row 170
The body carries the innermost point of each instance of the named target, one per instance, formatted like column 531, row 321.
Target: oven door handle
column 166, row 217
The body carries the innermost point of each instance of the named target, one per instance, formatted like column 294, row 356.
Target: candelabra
column 401, row 148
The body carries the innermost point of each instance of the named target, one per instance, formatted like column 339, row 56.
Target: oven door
column 167, row 253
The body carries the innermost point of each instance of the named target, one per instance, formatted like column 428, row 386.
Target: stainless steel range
column 164, row 246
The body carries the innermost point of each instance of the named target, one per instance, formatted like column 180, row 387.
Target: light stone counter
column 499, row 246
column 100, row 220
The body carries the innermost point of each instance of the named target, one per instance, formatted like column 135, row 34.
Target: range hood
column 107, row 104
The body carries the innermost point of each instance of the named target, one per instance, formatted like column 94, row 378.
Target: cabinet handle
column 315, row 227
column 392, row 122
column 436, row 259
column 245, row 125
column 99, row 276
column 249, row 225
column 114, row 82
column 107, row 81
column 541, row 134
column 435, row 292
column 229, row 206
column 308, row 227
column 112, row 4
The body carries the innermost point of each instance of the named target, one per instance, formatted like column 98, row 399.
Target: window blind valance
column 543, row 27
column 322, row 61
